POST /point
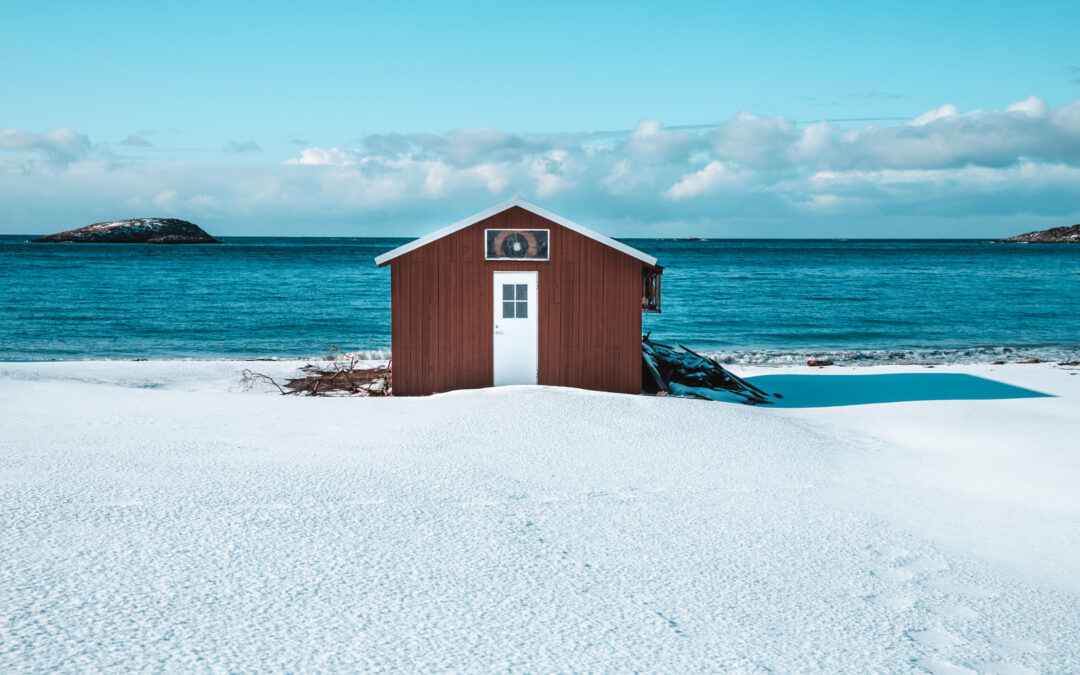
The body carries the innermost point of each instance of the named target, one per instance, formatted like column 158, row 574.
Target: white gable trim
column 499, row 208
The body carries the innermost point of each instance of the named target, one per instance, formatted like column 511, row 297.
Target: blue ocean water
column 749, row 301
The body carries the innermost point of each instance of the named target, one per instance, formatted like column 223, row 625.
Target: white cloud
column 756, row 142
column 1032, row 106
column 493, row 176
column 824, row 202
column 59, row 146
column 166, row 199
column 971, row 178
column 321, row 157
column 1023, row 158
column 1067, row 118
column 550, row 172
column 436, row 179
column 203, row 203
column 650, row 143
column 814, row 140
column 944, row 112
column 714, row 175
column 621, row 178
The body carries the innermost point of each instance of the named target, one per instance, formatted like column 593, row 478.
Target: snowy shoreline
column 745, row 357
column 886, row 518
column 226, row 375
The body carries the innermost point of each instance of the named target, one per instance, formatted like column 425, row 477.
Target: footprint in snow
column 942, row 667
column 896, row 575
column 897, row 602
column 957, row 612
column 950, row 586
column 926, row 580
column 1016, row 646
column 934, row 638
column 1003, row 668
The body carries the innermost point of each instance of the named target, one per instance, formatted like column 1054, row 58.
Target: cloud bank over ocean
column 749, row 174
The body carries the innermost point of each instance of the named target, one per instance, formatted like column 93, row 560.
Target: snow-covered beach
column 889, row 519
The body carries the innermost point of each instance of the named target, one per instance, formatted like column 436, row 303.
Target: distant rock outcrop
column 135, row 231
column 1055, row 235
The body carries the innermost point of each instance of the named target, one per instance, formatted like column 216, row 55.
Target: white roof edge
column 499, row 208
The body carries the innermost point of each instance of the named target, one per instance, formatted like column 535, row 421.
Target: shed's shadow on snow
column 816, row 391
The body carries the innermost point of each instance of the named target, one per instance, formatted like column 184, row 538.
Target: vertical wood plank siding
column 442, row 309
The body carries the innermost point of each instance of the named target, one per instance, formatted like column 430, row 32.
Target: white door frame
column 515, row 348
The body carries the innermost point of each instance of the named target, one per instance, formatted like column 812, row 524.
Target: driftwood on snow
column 339, row 378
column 683, row 372
column 679, row 371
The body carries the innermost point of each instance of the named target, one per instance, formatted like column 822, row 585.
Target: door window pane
column 515, row 301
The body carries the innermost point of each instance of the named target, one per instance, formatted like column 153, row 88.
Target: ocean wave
column 917, row 356
column 744, row 357
column 856, row 357
column 364, row 355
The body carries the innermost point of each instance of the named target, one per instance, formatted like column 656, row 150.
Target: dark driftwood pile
column 338, row 379
column 683, row 372
column 679, row 371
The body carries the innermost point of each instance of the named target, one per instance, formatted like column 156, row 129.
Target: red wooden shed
column 516, row 294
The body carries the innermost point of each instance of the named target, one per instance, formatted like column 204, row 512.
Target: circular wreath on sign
column 516, row 244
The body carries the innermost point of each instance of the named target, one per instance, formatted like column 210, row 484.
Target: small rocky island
column 1055, row 235
column 134, row 231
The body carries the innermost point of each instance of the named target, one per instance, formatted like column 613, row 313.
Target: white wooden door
column 516, row 336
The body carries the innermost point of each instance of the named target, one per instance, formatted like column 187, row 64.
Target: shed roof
column 499, row 208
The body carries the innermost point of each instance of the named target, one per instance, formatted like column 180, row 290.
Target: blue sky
column 339, row 119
